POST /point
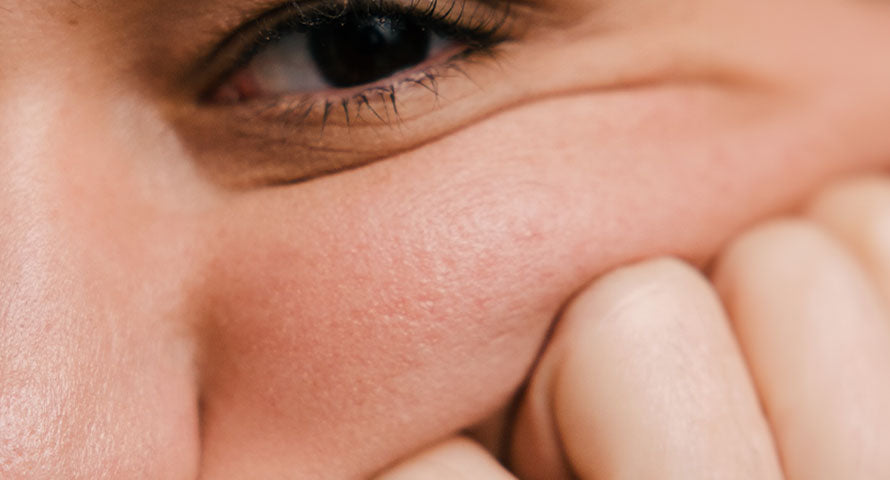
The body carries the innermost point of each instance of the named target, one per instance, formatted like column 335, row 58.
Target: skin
column 166, row 312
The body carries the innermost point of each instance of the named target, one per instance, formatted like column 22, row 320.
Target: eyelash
column 477, row 28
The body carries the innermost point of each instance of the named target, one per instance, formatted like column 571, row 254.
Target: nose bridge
column 52, row 204
column 88, row 291
column 35, row 296
column 38, row 155
column 90, row 174
column 93, row 188
column 82, row 158
column 58, row 113
column 28, row 179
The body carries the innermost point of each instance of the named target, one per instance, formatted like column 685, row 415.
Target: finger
column 818, row 344
column 455, row 459
column 858, row 212
column 536, row 451
column 645, row 381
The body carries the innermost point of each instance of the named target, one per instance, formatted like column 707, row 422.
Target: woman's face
column 207, row 269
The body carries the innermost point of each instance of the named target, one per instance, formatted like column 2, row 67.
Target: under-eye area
column 322, row 86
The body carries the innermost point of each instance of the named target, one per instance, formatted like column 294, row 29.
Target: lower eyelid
column 291, row 139
column 341, row 107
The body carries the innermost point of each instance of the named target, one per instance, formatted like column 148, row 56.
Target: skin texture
column 644, row 379
column 162, row 319
column 829, row 337
column 680, row 403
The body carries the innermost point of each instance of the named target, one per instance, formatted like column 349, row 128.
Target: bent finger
column 857, row 212
column 458, row 458
column 645, row 381
column 818, row 344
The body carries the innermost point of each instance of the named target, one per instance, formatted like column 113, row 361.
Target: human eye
column 337, row 84
column 314, row 48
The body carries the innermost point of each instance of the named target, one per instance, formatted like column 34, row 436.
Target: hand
column 779, row 367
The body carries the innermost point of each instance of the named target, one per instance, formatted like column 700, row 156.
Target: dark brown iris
column 356, row 51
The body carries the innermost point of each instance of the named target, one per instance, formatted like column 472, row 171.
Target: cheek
column 409, row 299
column 407, row 316
column 412, row 275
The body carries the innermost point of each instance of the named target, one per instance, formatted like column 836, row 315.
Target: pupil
column 356, row 51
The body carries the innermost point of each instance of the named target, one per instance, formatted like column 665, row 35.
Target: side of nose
column 97, row 376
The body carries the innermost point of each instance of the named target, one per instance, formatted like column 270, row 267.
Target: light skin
column 171, row 307
column 805, row 301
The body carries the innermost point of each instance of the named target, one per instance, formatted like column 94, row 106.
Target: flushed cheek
column 404, row 317
column 408, row 299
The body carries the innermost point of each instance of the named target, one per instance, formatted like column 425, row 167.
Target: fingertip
column 857, row 213
column 664, row 276
column 777, row 249
column 458, row 458
column 650, row 383
column 537, row 450
column 811, row 321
